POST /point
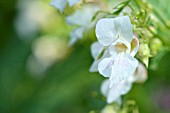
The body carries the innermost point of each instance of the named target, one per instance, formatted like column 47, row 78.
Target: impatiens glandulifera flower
column 61, row 4
column 117, row 36
column 81, row 18
column 114, row 93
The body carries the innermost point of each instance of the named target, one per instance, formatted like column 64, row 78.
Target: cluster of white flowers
column 114, row 56
column 116, row 36
column 114, row 51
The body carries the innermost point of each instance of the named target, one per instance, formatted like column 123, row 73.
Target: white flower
column 114, row 93
column 61, row 4
column 116, row 34
column 81, row 18
column 32, row 14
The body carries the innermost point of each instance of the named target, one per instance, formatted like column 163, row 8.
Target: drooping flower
column 61, row 4
column 116, row 34
column 81, row 18
column 114, row 93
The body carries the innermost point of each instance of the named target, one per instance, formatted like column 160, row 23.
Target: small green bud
column 144, row 53
column 138, row 14
column 144, row 50
column 145, row 60
column 155, row 45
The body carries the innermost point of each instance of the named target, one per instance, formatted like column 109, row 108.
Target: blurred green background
column 39, row 73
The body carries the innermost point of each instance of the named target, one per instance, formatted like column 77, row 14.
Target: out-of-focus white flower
column 117, row 36
column 61, row 4
column 81, row 18
column 114, row 93
column 33, row 14
column 47, row 50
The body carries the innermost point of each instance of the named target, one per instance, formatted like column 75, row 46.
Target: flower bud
column 144, row 53
column 144, row 50
column 155, row 45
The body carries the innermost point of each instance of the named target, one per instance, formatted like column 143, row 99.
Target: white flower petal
column 112, row 50
column 119, row 101
column 104, row 67
column 72, row 2
column 135, row 42
column 59, row 4
column 124, row 27
column 117, row 90
column 124, row 66
column 94, row 66
column 105, row 87
column 126, row 86
column 73, row 39
column 106, row 54
column 75, row 35
column 106, row 31
column 96, row 49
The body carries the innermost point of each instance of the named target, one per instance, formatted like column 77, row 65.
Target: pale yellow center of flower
column 121, row 47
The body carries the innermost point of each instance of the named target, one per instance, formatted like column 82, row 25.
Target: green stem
column 137, row 4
